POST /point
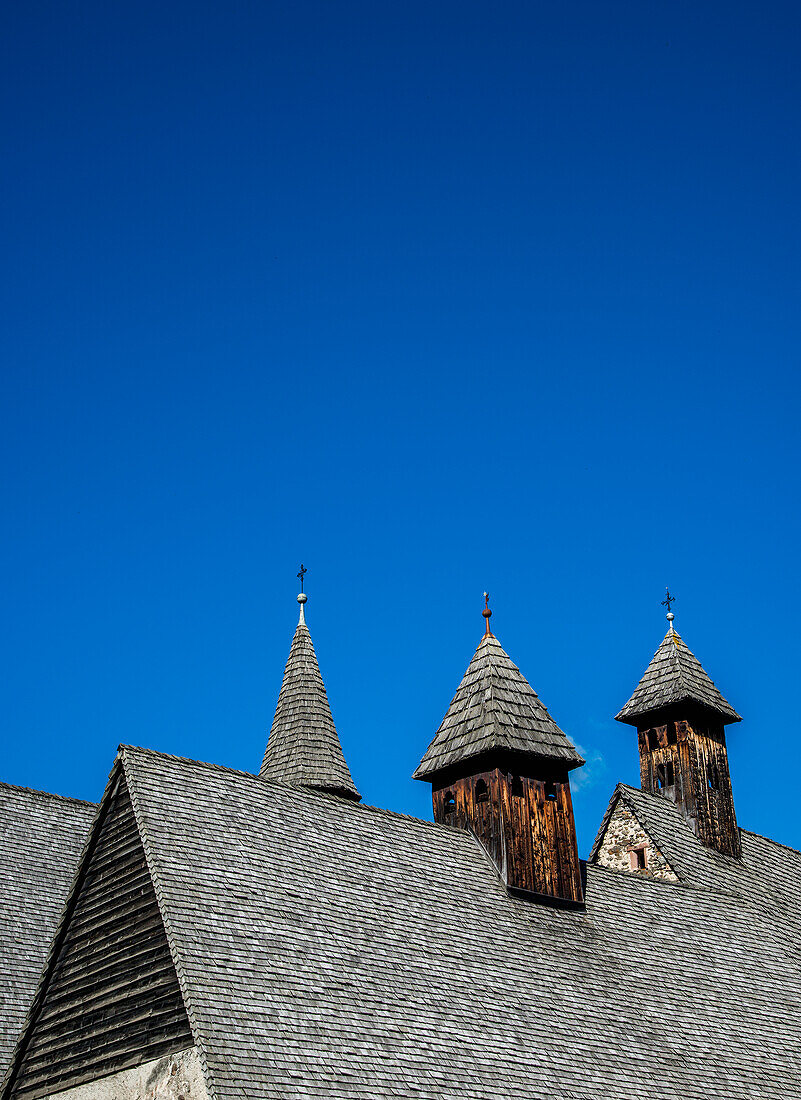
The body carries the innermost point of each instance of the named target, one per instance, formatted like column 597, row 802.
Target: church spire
column 303, row 748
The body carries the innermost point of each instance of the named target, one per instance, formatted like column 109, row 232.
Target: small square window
column 638, row 858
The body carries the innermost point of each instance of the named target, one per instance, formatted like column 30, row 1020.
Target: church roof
column 303, row 747
column 675, row 675
column 42, row 838
column 495, row 708
column 334, row 950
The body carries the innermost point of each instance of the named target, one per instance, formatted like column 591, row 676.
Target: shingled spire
column 680, row 717
column 499, row 765
column 303, row 747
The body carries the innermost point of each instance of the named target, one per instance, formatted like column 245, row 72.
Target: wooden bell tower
column 680, row 717
column 500, row 766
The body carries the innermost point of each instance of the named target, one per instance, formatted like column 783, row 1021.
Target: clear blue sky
column 433, row 297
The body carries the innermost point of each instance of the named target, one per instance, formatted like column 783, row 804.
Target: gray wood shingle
column 342, row 952
column 495, row 708
column 303, row 747
column 675, row 675
column 42, row 838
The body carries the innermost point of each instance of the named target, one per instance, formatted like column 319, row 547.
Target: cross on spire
column 302, row 574
column 668, row 600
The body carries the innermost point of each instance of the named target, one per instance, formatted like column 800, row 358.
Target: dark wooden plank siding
column 112, row 1000
column 530, row 836
column 692, row 756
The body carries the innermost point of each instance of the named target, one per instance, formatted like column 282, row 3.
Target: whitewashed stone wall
column 174, row 1077
column 624, row 832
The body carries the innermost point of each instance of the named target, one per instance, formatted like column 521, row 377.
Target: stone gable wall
column 623, row 833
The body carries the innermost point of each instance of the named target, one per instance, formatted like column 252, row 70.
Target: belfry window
column 550, row 791
column 664, row 774
column 713, row 776
column 482, row 794
column 449, row 804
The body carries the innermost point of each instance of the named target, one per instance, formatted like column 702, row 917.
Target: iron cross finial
column 302, row 574
column 668, row 600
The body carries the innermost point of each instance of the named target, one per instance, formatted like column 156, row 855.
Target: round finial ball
column 302, row 597
column 486, row 613
column 670, row 616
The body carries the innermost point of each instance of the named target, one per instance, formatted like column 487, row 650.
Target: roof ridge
column 304, row 792
column 47, row 794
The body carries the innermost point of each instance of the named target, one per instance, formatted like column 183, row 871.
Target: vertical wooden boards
column 686, row 761
column 525, row 823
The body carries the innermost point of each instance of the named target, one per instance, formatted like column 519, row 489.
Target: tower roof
column 303, row 747
column 675, row 675
column 495, row 708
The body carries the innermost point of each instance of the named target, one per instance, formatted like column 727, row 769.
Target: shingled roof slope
column 334, row 950
column 675, row 675
column 495, row 707
column 303, row 747
column 42, row 839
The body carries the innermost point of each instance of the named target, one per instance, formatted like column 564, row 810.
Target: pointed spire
column 495, row 708
column 675, row 675
column 303, row 748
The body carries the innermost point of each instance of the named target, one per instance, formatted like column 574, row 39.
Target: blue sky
column 433, row 298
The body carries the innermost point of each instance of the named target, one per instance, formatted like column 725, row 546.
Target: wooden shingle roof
column 41, row 838
column 339, row 951
column 495, row 708
column 675, row 675
column 303, row 747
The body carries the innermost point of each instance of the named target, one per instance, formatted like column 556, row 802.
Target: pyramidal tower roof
column 303, row 748
column 495, row 709
column 675, row 675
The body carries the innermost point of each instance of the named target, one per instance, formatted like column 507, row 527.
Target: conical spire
column 495, row 708
column 303, row 747
column 675, row 675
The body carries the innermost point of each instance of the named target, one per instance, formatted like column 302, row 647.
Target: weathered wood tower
column 499, row 766
column 680, row 717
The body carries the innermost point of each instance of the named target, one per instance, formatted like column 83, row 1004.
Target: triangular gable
column 626, row 842
column 110, row 997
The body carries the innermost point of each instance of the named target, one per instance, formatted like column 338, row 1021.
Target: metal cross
column 668, row 600
column 486, row 600
column 301, row 574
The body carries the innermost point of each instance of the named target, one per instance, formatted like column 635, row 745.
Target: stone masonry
column 625, row 834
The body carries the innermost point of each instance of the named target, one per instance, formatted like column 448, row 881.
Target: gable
column 42, row 838
column 624, row 844
column 110, row 998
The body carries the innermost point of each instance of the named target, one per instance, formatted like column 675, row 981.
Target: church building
column 212, row 934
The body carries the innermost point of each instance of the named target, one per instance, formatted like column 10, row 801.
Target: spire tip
column 487, row 616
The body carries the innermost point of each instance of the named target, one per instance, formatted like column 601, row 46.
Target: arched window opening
column 482, row 794
column 550, row 790
column 449, row 804
column 517, row 786
column 713, row 776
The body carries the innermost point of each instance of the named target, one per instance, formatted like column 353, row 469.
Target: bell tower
column 500, row 767
column 680, row 718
